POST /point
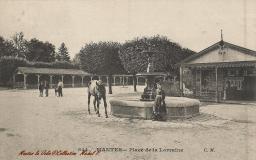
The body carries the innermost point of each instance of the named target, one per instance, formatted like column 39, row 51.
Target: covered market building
column 30, row 77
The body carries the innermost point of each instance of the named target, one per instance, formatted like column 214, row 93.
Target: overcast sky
column 194, row 24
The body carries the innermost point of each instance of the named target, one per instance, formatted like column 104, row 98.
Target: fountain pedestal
column 149, row 93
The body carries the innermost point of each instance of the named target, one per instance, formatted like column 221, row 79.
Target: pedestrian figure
column 46, row 87
column 159, row 107
column 41, row 89
column 60, row 86
column 56, row 90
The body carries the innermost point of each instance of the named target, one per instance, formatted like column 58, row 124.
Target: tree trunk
column 110, row 85
column 134, row 82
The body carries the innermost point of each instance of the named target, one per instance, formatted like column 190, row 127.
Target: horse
column 97, row 89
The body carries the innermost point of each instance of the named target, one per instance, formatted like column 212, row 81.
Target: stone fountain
column 135, row 107
column 150, row 76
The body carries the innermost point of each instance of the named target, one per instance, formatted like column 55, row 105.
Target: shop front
column 221, row 73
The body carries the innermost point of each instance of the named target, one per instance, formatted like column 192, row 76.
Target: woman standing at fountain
column 159, row 108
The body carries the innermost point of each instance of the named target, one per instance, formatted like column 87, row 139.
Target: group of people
column 44, row 86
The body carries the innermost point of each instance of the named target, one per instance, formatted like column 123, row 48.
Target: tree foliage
column 40, row 51
column 101, row 58
column 167, row 54
column 62, row 54
column 6, row 48
column 20, row 44
column 32, row 50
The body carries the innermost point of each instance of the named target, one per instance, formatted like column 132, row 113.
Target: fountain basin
column 132, row 107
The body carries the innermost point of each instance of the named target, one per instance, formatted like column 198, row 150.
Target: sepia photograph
column 127, row 79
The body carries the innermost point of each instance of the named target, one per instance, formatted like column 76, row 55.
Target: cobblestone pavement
column 31, row 123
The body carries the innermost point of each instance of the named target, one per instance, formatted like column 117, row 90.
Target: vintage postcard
column 127, row 79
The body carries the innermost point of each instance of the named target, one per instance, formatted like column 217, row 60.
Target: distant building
column 221, row 72
column 30, row 77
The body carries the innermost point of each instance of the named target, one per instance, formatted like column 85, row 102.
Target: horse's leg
column 105, row 105
column 94, row 103
column 89, row 97
column 98, row 106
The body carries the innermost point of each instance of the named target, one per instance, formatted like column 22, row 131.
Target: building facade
column 221, row 72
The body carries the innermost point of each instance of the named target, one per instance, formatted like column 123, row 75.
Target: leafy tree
column 40, row 51
column 101, row 58
column 20, row 45
column 167, row 54
column 6, row 48
column 63, row 54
